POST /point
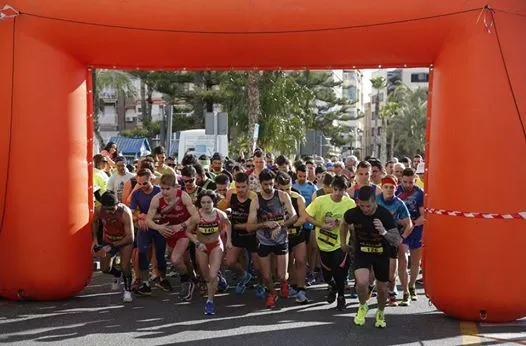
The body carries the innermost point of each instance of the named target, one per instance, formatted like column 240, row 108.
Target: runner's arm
column 344, row 229
column 302, row 215
column 127, row 220
column 420, row 220
column 252, row 222
column 227, row 226
column 293, row 216
column 408, row 227
column 152, row 211
column 95, row 226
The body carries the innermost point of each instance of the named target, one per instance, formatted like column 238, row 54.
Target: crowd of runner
column 265, row 220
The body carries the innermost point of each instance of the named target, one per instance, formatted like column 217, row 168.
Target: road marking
column 469, row 333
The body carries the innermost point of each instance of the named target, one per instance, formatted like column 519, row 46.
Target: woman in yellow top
column 204, row 231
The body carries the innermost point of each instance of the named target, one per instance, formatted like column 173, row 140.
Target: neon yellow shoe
column 380, row 319
column 359, row 319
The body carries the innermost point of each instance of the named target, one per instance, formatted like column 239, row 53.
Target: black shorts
column 380, row 264
column 335, row 259
column 296, row 239
column 279, row 249
column 248, row 242
column 393, row 252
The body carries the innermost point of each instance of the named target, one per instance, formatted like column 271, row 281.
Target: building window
column 379, row 130
column 419, row 77
column 372, row 132
column 351, row 94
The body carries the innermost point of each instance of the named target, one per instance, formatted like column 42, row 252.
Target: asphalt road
column 98, row 316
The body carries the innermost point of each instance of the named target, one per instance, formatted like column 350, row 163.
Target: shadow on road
column 97, row 315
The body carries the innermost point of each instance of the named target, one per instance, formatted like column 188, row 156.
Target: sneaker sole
column 144, row 294
column 359, row 324
column 380, row 326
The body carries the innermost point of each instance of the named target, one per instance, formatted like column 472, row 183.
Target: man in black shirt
column 372, row 231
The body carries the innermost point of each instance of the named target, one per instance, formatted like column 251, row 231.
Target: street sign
column 222, row 123
column 210, row 123
column 256, row 131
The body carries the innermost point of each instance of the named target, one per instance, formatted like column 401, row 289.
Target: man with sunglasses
column 413, row 197
column 140, row 200
column 159, row 154
column 117, row 238
column 188, row 177
column 399, row 211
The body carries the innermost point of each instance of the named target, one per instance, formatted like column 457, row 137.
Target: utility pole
column 169, row 120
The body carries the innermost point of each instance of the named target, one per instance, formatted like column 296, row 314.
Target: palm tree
column 387, row 113
column 254, row 108
column 117, row 81
column 410, row 121
column 378, row 83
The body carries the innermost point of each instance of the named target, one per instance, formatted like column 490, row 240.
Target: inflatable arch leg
column 473, row 266
column 45, row 237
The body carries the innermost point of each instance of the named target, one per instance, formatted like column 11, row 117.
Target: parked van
column 196, row 142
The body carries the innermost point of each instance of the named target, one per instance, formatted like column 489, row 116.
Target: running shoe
column 293, row 293
column 340, row 305
column 271, row 300
column 209, row 308
column 242, row 284
column 260, row 292
column 372, row 292
column 116, row 284
column 406, row 301
column 135, row 286
column 301, row 297
column 127, row 297
column 331, row 294
column 359, row 319
column 164, row 285
column 420, row 281
column 222, row 284
column 187, row 291
column 144, row 290
column 380, row 319
column 391, row 301
column 309, row 279
column 203, row 288
column 284, row 289
column 412, row 293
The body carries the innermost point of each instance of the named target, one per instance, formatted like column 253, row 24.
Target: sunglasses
column 171, row 165
column 188, row 181
column 143, row 184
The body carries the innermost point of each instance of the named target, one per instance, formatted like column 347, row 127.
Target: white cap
column 420, row 169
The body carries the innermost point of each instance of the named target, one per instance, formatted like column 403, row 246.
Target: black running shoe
column 144, row 290
column 340, row 305
column 164, row 284
column 331, row 294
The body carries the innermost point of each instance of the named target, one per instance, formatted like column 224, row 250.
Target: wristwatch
column 197, row 244
column 383, row 233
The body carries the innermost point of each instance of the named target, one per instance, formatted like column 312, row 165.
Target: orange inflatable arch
column 474, row 265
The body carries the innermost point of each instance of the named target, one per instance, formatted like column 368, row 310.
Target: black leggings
column 335, row 264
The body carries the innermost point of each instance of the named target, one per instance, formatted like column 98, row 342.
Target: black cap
column 108, row 199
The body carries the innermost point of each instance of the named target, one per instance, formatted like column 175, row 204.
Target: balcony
column 108, row 96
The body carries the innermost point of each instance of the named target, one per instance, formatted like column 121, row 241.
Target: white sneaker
column 116, row 285
column 127, row 297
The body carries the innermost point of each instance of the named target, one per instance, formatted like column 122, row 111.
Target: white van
column 197, row 143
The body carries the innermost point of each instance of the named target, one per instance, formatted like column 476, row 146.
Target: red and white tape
column 520, row 215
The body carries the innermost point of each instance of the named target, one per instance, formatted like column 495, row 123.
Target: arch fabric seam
column 4, row 207
column 508, row 77
column 253, row 32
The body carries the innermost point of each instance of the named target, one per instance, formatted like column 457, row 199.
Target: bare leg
column 362, row 284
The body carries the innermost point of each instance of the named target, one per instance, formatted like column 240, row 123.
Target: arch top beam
column 239, row 34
